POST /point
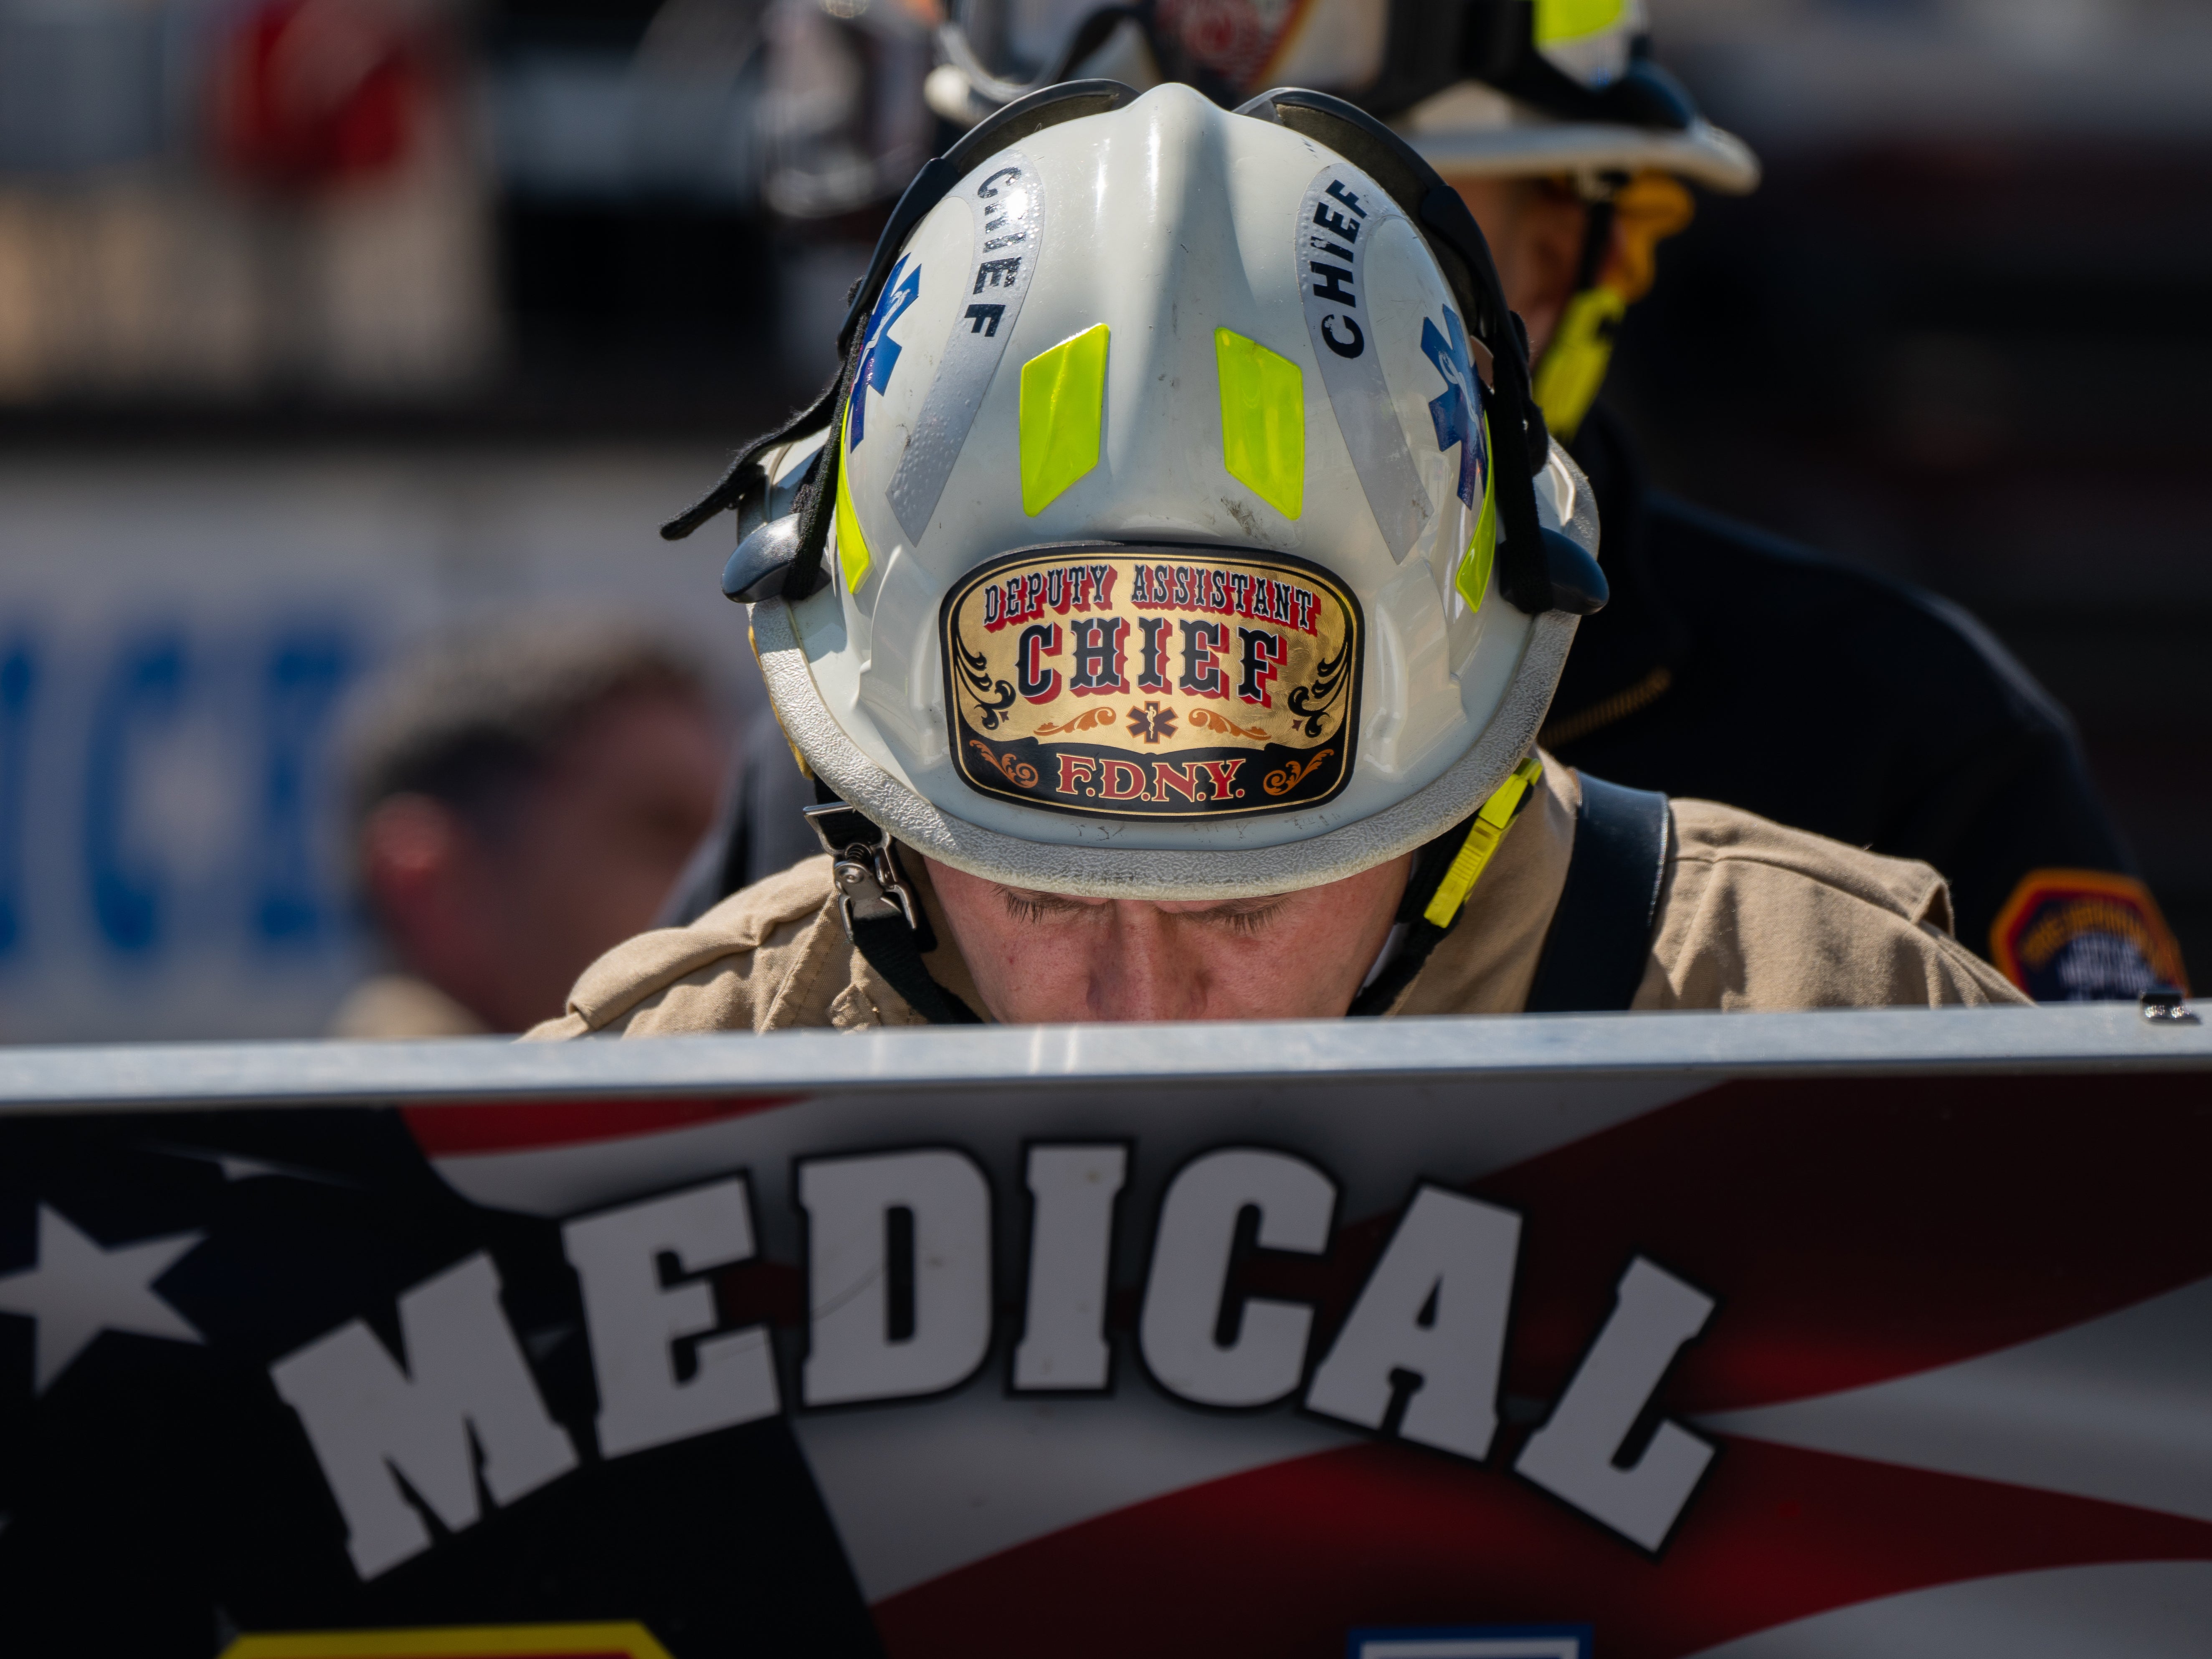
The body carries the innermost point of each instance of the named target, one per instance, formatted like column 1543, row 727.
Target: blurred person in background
column 760, row 830
column 523, row 800
column 1729, row 665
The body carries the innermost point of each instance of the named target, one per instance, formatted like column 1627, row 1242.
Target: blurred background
column 329, row 327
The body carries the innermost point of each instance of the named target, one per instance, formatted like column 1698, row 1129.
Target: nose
column 1148, row 968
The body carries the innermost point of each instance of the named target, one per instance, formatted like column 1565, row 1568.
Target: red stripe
column 1857, row 1229
column 517, row 1126
column 1853, row 1231
column 1284, row 1560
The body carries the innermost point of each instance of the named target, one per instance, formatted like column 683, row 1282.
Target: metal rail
column 2093, row 1038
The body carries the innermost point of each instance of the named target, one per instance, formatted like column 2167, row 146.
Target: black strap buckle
column 870, row 887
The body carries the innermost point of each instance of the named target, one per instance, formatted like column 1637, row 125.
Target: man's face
column 1044, row 958
column 1534, row 228
column 607, row 832
column 504, row 923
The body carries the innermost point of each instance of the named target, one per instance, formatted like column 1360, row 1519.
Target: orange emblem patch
column 2084, row 935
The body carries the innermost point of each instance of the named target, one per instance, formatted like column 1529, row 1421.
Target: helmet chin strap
column 1573, row 369
column 1626, row 223
column 1444, row 873
column 1572, row 365
column 890, row 930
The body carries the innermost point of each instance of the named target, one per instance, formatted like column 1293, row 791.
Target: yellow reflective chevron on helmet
column 1559, row 20
column 1063, row 409
column 1263, row 420
column 852, row 545
column 1471, row 577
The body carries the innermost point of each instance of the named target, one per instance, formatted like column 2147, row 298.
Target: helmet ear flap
column 812, row 511
column 743, row 475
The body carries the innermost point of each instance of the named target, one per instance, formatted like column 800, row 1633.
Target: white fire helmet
column 1496, row 87
column 1161, row 537
column 1481, row 89
column 1578, row 94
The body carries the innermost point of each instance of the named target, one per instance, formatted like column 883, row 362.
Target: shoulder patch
column 2084, row 935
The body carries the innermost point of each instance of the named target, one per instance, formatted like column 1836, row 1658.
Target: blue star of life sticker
column 1456, row 412
column 881, row 354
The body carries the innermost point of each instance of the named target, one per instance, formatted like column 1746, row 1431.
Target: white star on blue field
column 78, row 1288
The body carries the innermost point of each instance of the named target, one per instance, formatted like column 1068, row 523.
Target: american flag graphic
column 1953, row 1380
column 1959, row 1377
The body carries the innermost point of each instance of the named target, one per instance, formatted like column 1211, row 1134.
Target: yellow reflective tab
column 1490, row 826
column 852, row 545
column 1575, row 20
column 1574, row 364
column 1473, row 576
column 1063, row 405
column 1263, row 420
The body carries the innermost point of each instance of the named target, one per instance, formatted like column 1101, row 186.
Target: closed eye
column 1037, row 908
column 1246, row 916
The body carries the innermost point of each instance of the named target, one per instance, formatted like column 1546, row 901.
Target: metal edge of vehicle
column 2101, row 1037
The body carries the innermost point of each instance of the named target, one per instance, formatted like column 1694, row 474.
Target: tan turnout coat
column 1752, row 916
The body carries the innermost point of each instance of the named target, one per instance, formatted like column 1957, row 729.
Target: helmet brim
column 1702, row 153
column 1100, row 869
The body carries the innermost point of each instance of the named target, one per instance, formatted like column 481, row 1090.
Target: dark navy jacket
column 1734, row 666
